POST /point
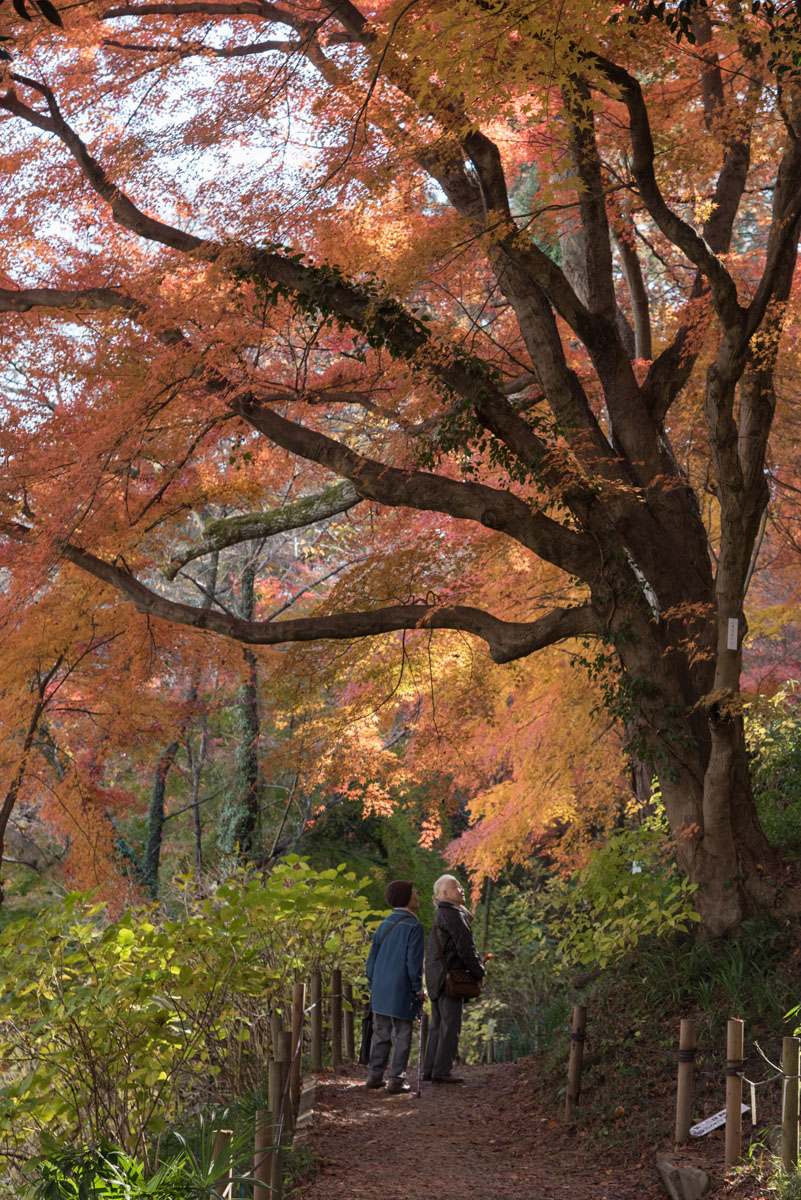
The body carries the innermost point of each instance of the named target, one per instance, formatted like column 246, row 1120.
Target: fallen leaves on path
column 485, row 1140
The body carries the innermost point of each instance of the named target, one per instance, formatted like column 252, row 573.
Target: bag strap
column 394, row 925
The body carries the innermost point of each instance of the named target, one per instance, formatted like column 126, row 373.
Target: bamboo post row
column 790, row 1063
column 577, row 1036
column 734, row 1091
column 684, row 1089
column 336, row 1018
column 350, row 1042
column 316, row 1022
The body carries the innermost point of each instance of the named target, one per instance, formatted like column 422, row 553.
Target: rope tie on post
column 578, row 1037
column 687, row 1055
column 734, row 1066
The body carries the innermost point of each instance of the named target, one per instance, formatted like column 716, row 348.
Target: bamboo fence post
column 350, row 1042
column 790, row 1062
column 224, row 1182
column 577, row 1036
column 286, row 1063
column 734, row 1091
column 276, row 1084
column 316, row 1022
column 336, row 1018
column 276, row 1028
column 684, row 1087
column 298, row 1005
column 262, row 1155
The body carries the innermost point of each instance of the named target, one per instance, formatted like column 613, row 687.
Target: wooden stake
column 350, row 1041
column 577, row 1035
column 276, row 1028
column 790, row 1062
column 684, row 1088
column 262, row 1155
column 336, row 1018
column 734, row 1091
column 276, row 1082
column 426, row 1019
column 317, row 1022
column 286, row 1063
column 298, row 1005
column 224, row 1182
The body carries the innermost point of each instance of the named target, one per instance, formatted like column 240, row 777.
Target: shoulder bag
column 458, row 983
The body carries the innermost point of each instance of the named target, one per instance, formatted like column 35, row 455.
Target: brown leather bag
column 458, row 983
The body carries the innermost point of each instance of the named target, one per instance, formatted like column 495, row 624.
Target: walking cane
column 420, row 1054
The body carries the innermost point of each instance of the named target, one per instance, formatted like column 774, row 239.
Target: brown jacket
column 454, row 925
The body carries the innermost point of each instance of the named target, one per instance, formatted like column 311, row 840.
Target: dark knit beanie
column 399, row 893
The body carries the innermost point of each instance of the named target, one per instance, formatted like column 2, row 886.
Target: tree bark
column 155, row 819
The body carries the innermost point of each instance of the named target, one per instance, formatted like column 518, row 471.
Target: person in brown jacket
column 451, row 939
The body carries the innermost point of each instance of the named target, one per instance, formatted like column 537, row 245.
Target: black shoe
column 426, row 1078
column 447, row 1079
column 396, row 1086
column 374, row 1081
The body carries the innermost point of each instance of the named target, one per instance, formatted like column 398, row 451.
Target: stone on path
column 682, row 1183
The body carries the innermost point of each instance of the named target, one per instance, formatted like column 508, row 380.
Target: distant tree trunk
column 239, row 820
column 12, row 793
column 197, row 757
column 155, row 819
column 156, row 808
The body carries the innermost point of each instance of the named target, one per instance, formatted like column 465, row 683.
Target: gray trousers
column 443, row 1035
column 390, row 1033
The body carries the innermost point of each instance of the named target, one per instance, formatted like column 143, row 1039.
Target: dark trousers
column 443, row 1035
column 390, row 1033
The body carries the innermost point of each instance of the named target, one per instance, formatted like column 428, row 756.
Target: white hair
column 441, row 886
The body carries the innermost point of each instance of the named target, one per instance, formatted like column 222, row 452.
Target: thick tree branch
column 102, row 299
column 635, row 282
column 397, row 487
column 507, row 640
column 682, row 235
column 599, row 285
column 240, row 8
column 203, row 51
column 231, row 531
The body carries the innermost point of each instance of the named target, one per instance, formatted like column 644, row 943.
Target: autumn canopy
column 491, row 307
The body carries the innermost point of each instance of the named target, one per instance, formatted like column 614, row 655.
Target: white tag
column 636, row 869
column 753, row 1105
column 714, row 1122
column 734, row 628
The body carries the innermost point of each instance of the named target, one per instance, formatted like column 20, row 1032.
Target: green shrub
column 773, row 730
column 109, row 1031
column 630, row 890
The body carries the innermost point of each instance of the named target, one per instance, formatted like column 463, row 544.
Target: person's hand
column 486, row 958
column 422, row 996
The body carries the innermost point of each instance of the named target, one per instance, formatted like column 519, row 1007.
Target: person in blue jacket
column 395, row 973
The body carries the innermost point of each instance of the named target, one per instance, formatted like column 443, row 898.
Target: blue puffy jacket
column 395, row 965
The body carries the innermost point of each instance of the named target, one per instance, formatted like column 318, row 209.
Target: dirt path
column 485, row 1140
